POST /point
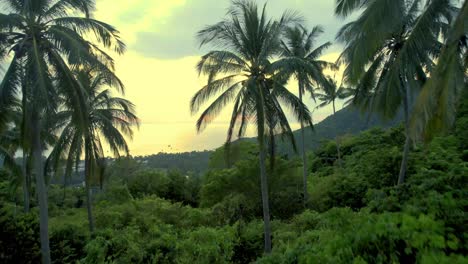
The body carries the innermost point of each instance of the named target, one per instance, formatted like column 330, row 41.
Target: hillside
column 348, row 120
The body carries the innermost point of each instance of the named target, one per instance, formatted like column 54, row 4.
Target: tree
column 332, row 92
column 389, row 49
column 108, row 119
column 8, row 147
column 45, row 37
column 248, row 42
column 435, row 108
column 301, row 60
column 10, row 143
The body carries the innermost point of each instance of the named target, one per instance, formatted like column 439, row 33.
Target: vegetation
column 331, row 93
column 249, row 79
column 46, row 40
column 353, row 198
column 357, row 213
column 301, row 61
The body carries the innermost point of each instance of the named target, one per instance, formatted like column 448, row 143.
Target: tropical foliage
column 243, row 73
column 301, row 60
column 356, row 214
column 251, row 200
column 390, row 52
column 43, row 41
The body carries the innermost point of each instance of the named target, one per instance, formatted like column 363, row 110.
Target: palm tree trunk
column 41, row 189
column 88, row 193
column 265, row 199
column 304, row 158
column 337, row 139
column 25, row 185
column 263, row 177
column 26, row 176
column 64, row 189
column 404, row 160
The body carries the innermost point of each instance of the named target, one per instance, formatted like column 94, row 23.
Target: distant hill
column 195, row 161
column 348, row 120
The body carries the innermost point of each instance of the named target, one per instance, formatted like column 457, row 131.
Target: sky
column 158, row 68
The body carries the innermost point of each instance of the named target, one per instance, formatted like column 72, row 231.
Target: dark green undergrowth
column 356, row 213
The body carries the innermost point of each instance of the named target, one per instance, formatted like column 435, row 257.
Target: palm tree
column 10, row 124
column 389, row 48
column 329, row 94
column 435, row 108
column 301, row 60
column 109, row 119
column 9, row 145
column 242, row 72
column 45, row 37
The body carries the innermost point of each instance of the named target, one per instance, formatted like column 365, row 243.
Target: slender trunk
column 404, row 160
column 41, row 189
column 304, row 158
column 88, row 193
column 25, row 184
column 263, row 177
column 265, row 199
column 26, row 176
column 14, row 208
column 337, row 139
column 64, row 189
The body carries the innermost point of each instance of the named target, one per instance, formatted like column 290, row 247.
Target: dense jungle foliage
column 356, row 213
column 354, row 190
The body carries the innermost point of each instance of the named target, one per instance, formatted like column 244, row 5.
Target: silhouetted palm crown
column 300, row 58
column 390, row 47
column 47, row 39
column 109, row 119
column 242, row 72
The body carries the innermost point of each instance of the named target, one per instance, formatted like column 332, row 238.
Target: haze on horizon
column 158, row 68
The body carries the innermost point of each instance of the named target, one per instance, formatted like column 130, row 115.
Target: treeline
column 380, row 197
column 355, row 212
column 194, row 161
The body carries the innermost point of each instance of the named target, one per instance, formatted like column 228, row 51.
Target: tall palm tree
column 242, row 72
column 44, row 37
column 389, row 49
column 9, row 145
column 301, row 60
column 109, row 119
column 435, row 108
column 328, row 95
column 13, row 139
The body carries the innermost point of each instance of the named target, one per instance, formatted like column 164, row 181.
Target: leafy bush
column 206, row 245
column 19, row 237
column 148, row 182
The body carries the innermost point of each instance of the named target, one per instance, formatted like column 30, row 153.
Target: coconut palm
column 301, row 60
column 242, row 72
column 435, row 107
column 389, row 49
column 43, row 38
column 328, row 95
column 9, row 145
column 13, row 139
column 109, row 120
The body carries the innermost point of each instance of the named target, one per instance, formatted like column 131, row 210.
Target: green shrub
column 148, row 182
column 19, row 237
column 206, row 245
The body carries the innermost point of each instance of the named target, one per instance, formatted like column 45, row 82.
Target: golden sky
column 158, row 68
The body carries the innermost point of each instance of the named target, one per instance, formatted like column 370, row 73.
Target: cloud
column 159, row 67
column 164, row 45
column 175, row 38
column 171, row 34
